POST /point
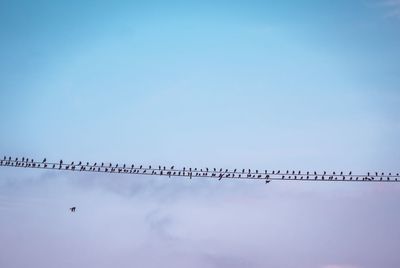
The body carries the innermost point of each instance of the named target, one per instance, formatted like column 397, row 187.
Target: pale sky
column 303, row 85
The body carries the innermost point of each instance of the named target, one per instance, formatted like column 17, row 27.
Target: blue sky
column 310, row 85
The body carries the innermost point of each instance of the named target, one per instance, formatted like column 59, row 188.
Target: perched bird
column 44, row 160
column 72, row 209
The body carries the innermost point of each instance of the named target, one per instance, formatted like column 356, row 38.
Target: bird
column 72, row 209
column 44, row 160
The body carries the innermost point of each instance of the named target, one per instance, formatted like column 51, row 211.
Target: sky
column 302, row 85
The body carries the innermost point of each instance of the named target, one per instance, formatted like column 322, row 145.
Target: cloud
column 340, row 266
column 123, row 220
column 393, row 7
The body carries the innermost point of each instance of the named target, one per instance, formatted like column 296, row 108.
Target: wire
column 201, row 173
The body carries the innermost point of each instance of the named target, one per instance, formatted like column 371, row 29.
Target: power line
column 201, row 173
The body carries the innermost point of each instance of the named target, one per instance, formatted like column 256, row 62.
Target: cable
column 201, row 173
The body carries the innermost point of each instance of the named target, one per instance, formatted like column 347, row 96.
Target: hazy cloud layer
column 125, row 221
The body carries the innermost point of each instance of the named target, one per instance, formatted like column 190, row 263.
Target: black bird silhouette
column 72, row 209
column 44, row 160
